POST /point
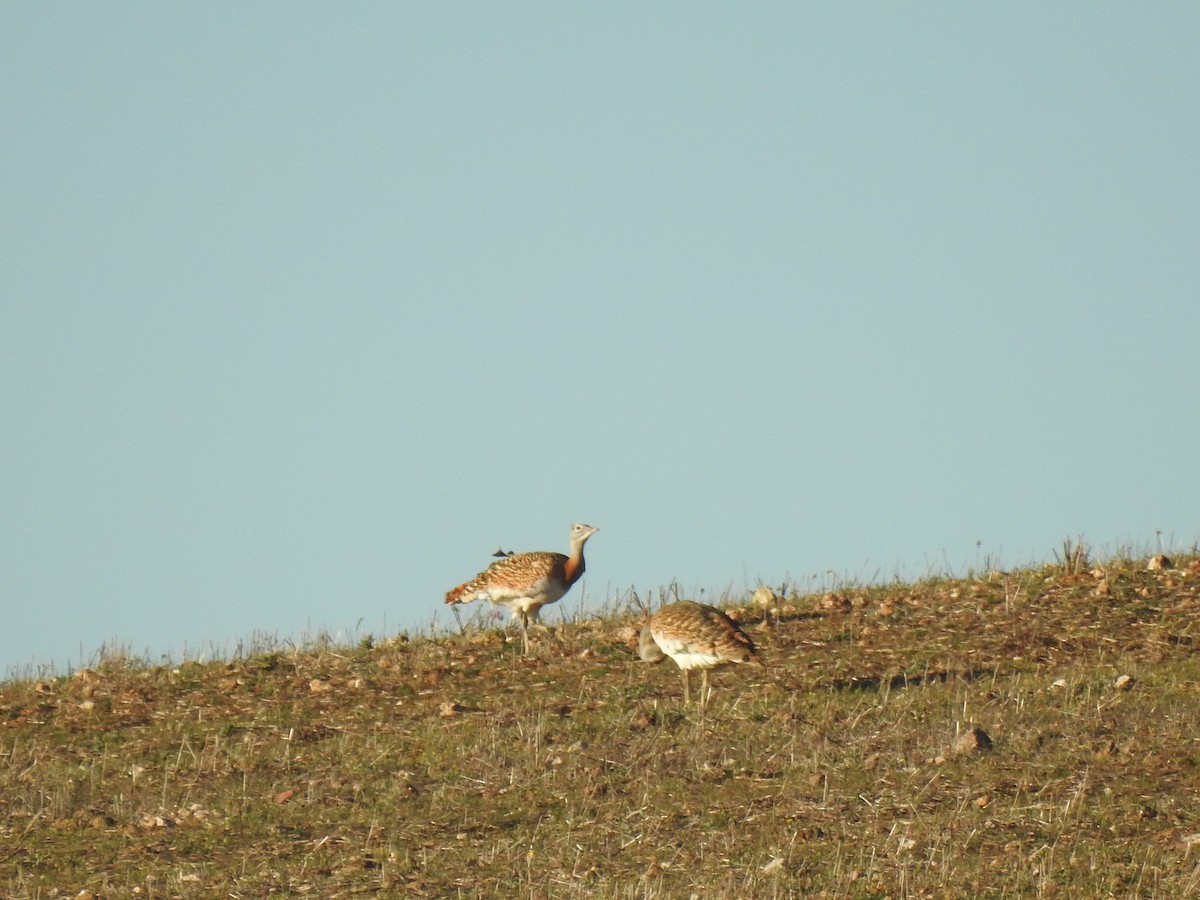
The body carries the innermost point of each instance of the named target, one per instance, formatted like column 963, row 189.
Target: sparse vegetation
column 1023, row 734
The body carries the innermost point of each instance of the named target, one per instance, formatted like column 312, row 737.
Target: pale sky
column 307, row 308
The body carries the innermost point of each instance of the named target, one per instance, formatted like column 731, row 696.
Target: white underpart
column 524, row 600
column 687, row 656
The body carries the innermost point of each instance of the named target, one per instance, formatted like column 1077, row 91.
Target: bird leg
column 703, row 688
column 525, row 631
column 687, row 687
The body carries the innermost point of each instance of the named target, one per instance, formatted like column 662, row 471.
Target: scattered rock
column 151, row 821
column 974, row 740
column 836, row 602
column 629, row 634
column 319, row 686
column 1125, row 682
column 1107, row 749
column 1160, row 562
column 284, row 796
column 644, row 721
column 449, row 709
column 405, row 786
column 765, row 625
column 981, row 802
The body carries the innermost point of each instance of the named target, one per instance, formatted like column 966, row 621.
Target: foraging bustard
column 695, row 636
column 525, row 582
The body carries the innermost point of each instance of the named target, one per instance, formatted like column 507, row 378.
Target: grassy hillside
column 1027, row 734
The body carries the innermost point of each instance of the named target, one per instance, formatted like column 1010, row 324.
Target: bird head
column 580, row 533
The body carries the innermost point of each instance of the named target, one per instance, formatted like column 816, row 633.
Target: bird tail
column 455, row 595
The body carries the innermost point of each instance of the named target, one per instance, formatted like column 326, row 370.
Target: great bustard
column 695, row 636
column 525, row 582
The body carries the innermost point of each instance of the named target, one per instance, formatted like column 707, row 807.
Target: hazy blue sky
column 308, row 307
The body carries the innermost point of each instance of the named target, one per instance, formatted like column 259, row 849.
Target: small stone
column 773, row 865
column 1124, row 682
column 1106, row 750
column 981, row 802
column 1160, row 562
column 629, row 634
column 973, row 740
column 319, row 686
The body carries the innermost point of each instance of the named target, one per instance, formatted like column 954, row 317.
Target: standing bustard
column 525, row 582
column 696, row 637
